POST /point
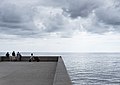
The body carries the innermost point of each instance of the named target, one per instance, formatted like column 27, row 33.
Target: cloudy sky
column 60, row 25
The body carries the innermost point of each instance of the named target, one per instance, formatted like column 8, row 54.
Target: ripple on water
column 94, row 69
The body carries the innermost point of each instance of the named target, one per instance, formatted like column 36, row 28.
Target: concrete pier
column 48, row 71
column 61, row 74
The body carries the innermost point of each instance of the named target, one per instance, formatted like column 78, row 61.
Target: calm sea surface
column 90, row 68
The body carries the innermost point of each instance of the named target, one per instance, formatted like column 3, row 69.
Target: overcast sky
column 60, row 25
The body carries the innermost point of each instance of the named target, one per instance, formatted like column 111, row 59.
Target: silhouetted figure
column 7, row 55
column 13, row 53
column 31, row 57
column 19, row 56
column 13, row 56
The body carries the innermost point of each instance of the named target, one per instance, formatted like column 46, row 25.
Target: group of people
column 18, row 56
column 14, row 56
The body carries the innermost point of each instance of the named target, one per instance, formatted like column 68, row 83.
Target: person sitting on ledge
column 31, row 57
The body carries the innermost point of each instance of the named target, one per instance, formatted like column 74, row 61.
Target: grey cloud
column 16, row 20
column 11, row 13
column 55, row 24
column 81, row 8
column 98, row 28
column 40, row 18
column 106, row 13
column 109, row 15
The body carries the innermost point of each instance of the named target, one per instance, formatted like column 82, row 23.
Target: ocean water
column 90, row 68
column 94, row 68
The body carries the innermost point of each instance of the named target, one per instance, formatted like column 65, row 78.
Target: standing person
column 13, row 55
column 7, row 55
column 19, row 56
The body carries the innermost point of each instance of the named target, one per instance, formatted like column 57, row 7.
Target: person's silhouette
column 7, row 54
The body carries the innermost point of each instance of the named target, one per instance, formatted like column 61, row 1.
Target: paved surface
column 27, row 73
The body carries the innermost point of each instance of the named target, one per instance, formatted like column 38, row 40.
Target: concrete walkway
column 27, row 73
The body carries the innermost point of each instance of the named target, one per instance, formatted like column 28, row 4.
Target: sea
column 89, row 68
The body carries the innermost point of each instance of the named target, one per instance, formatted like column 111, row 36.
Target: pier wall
column 26, row 58
column 61, row 74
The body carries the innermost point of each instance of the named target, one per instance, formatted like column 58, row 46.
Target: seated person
column 32, row 58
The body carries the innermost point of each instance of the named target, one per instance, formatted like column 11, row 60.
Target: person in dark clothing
column 13, row 53
column 7, row 55
column 13, row 56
